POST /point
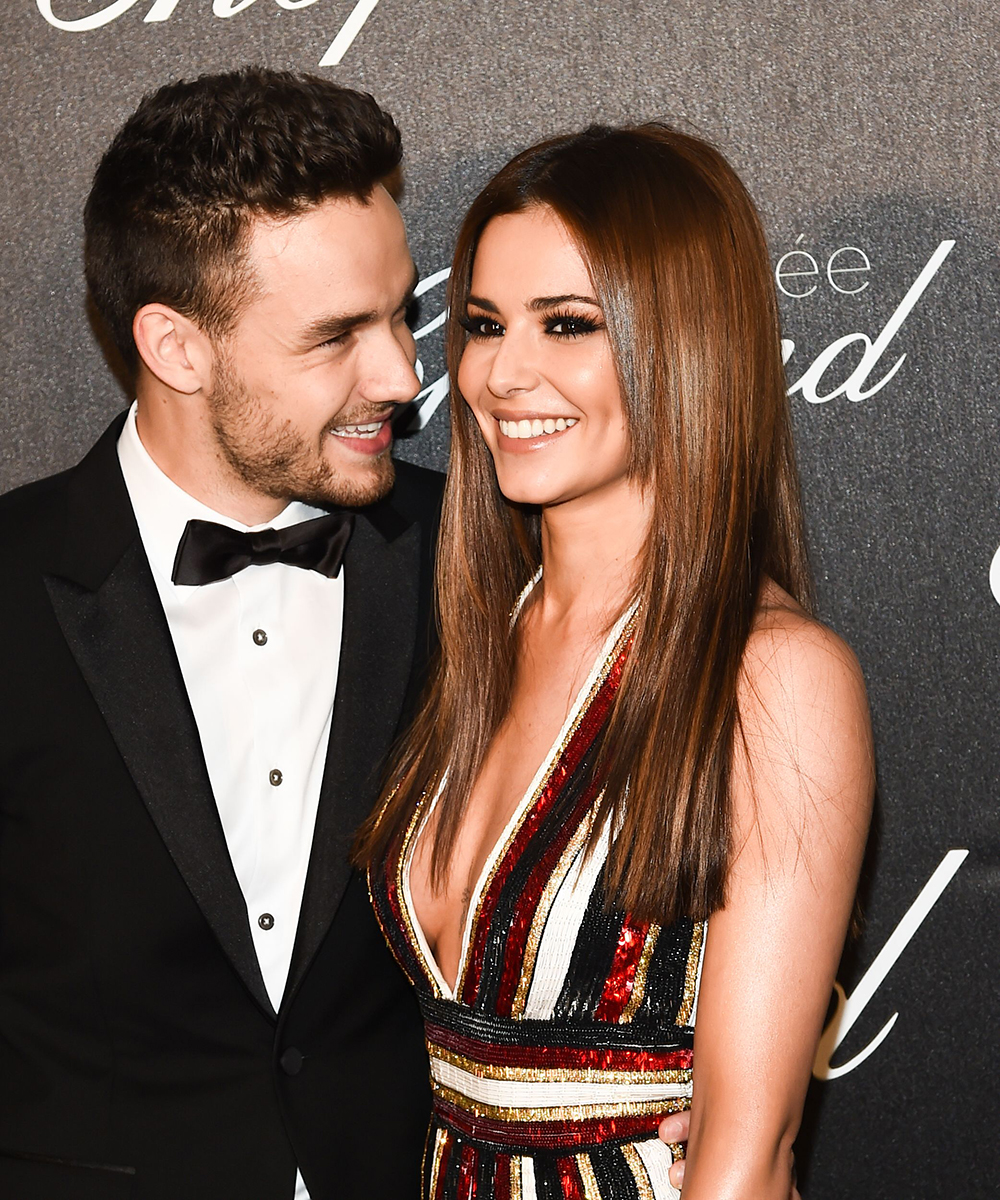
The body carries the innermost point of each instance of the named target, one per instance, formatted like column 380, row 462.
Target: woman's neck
column 591, row 549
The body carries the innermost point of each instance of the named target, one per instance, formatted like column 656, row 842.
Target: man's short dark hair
column 169, row 213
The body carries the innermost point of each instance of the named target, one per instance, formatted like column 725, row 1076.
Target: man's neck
column 188, row 454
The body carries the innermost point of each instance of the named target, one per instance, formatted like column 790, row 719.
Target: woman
column 635, row 725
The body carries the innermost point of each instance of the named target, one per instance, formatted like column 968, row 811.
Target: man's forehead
column 342, row 244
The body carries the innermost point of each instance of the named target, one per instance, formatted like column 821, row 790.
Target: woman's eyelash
column 573, row 325
column 560, row 325
column 474, row 326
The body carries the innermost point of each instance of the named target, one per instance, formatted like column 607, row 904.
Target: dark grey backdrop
column 867, row 133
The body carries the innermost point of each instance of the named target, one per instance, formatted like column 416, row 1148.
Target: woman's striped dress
column 570, row 1029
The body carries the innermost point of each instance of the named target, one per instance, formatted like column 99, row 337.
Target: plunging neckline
column 428, row 960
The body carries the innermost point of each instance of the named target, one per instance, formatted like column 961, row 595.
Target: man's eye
column 481, row 327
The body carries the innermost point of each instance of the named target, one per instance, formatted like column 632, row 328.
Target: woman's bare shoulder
column 803, row 710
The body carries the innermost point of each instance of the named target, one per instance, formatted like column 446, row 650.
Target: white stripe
column 657, row 1159
column 555, row 950
column 515, row 1093
column 528, row 1179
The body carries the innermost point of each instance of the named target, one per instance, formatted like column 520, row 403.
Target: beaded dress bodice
column 569, row 1032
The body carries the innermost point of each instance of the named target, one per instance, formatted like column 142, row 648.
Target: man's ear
column 173, row 348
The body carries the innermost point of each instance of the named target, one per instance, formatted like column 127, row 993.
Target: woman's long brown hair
column 679, row 264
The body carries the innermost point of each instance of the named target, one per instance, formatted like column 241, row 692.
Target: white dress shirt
column 259, row 653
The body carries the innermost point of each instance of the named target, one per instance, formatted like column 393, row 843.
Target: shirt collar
column 162, row 509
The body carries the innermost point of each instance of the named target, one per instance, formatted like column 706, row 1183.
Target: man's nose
column 389, row 375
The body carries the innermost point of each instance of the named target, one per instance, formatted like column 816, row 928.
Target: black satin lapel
column 119, row 636
column 381, row 587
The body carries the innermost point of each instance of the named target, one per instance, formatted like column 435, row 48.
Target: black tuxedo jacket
column 140, row 1056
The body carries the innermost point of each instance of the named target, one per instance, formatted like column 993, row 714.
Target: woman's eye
column 570, row 327
column 481, row 327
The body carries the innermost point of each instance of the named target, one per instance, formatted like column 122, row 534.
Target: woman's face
column 537, row 370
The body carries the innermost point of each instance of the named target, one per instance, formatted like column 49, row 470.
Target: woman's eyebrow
column 541, row 302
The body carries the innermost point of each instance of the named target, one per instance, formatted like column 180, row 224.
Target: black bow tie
column 208, row 551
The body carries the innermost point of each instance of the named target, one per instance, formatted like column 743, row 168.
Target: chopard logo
column 798, row 274
column 163, row 10
column 849, row 1008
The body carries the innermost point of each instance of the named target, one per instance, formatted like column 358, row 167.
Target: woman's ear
column 173, row 348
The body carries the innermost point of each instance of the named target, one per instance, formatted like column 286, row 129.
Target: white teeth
column 369, row 431
column 536, row 427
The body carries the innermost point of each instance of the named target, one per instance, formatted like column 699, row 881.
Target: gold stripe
column 639, row 983
column 691, row 972
column 402, row 868
column 555, row 1074
column 440, row 1141
column 591, row 1191
column 528, row 804
column 638, row 1169
column 515, row 1178
column 552, row 886
column 564, row 1112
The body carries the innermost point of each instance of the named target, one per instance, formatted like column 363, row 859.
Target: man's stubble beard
column 277, row 461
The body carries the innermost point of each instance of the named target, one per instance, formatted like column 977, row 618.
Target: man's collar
column 163, row 509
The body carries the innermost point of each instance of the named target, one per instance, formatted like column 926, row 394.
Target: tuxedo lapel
column 107, row 605
column 381, row 589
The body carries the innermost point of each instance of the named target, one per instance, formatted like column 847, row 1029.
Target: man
column 195, row 1000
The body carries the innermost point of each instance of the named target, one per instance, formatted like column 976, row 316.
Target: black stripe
column 547, row 1184
column 614, row 1179
column 590, row 965
column 581, row 1035
column 666, row 975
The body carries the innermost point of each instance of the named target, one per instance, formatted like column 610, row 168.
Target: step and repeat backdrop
column 867, row 133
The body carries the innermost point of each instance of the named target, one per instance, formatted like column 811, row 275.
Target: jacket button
column 291, row 1061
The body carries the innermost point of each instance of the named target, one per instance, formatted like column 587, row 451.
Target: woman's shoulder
column 789, row 648
column 803, row 708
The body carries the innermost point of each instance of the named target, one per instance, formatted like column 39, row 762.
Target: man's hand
column 675, row 1128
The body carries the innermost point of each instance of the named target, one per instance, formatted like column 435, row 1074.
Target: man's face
column 305, row 384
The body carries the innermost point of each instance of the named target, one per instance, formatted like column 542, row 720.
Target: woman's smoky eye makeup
column 563, row 325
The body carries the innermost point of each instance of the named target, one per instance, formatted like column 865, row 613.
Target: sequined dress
column 569, row 1032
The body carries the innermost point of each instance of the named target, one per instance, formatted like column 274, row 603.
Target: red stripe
column 501, row 1177
column 549, row 1135
column 603, row 1058
column 618, row 988
column 569, row 1179
column 562, row 769
column 467, row 1166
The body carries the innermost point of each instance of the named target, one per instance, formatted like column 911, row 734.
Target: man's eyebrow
column 335, row 325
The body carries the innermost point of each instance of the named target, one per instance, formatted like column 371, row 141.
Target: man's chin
column 354, row 490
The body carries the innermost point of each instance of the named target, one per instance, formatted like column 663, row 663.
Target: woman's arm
column 802, row 792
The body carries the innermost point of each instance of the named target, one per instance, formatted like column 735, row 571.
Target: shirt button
column 259, row 637
column 265, row 921
column 275, row 778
